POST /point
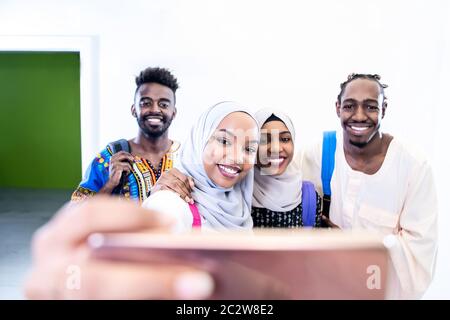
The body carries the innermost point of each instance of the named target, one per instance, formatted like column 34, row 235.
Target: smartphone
column 276, row 264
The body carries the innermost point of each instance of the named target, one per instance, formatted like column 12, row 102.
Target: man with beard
column 380, row 184
column 132, row 171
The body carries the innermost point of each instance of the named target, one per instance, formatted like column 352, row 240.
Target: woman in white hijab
column 219, row 155
column 280, row 197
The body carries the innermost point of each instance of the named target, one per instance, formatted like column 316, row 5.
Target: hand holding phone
column 327, row 264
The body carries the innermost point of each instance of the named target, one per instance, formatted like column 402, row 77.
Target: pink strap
column 196, row 221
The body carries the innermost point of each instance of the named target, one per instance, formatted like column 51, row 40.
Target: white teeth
column 154, row 120
column 359, row 128
column 276, row 161
column 228, row 169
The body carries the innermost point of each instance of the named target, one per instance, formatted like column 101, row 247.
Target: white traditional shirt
column 399, row 199
column 170, row 203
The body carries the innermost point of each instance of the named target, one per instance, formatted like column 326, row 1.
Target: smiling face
column 154, row 109
column 360, row 110
column 231, row 151
column 276, row 148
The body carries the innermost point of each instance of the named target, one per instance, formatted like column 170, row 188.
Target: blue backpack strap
column 328, row 152
column 309, row 204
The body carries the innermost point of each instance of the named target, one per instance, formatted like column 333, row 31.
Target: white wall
column 287, row 54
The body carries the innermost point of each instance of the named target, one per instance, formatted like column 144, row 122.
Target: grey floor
column 22, row 211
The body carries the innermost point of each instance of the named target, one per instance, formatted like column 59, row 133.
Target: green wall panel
column 40, row 119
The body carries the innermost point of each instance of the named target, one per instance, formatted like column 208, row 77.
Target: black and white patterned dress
column 265, row 218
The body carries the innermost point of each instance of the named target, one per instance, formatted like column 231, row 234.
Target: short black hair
column 354, row 76
column 158, row 75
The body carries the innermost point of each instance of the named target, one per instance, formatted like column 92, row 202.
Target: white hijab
column 222, row 209
column 283, row 192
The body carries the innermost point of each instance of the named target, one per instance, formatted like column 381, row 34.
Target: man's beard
column 154, row 133
column 363, row 144
column 359, row 145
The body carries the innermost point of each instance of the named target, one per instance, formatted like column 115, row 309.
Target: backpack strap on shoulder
column 196, row 219
column 328, row 155
column 115, row 147
column 309, row 204
column 119, row 145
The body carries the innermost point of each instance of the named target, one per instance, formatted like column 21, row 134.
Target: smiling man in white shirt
column 382, row 185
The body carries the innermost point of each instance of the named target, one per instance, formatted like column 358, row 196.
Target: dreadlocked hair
column 354, row 76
